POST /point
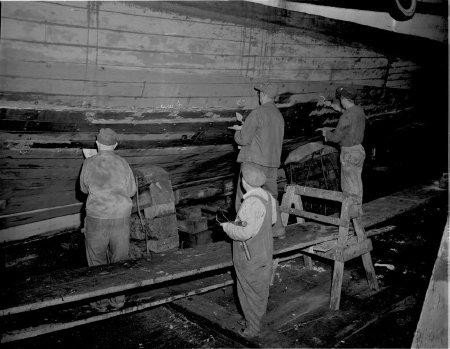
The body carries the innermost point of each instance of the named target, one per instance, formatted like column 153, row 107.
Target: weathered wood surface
column 56, row 321
column 168, row 76
column 18, row 296
column 45, row 222
column 432, row 328
column 168, row 55
column 40, row 171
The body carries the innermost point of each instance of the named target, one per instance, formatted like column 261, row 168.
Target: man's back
column 109, row 181
column 261, row 136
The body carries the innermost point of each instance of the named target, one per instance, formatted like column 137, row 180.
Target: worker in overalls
column 349, row 134
column 109, row 182
column 252, row 230
column 260, row 139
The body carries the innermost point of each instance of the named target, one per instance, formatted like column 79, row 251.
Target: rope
column 144, row 230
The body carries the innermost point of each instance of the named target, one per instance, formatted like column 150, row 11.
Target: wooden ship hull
column 169, row 77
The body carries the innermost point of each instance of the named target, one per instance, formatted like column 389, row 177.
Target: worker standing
column 349, row 134
column 253, row 227
column 261, row 140
column 109, row 182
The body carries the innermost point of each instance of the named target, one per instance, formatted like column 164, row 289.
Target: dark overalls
column 253, row 277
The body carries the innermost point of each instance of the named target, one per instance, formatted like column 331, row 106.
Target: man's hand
column 324, row 130
column 239, row 117
column 235, row 127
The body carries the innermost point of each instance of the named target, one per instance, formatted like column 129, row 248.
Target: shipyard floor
column 298, row 313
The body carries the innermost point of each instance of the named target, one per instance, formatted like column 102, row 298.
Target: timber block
column 149, row 173
column 163, row 227
column 159, row 210
column 161, row 192
column 157, row 180
column 195, row 239
column 193, row 225
column 191, row 212
column 163, row 245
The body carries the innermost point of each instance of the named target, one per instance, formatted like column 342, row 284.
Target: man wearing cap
column 349, row 134
column 109, row 182
column 261, row 139
column 253, row 226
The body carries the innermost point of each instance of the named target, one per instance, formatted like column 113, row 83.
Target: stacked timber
column 193, row 227
column 160, row 217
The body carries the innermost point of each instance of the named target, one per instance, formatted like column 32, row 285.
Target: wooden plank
column 338, row 274
column 20, row 30
column 151, row 299
column 12, row 157
column 51, row 12
column 320, row 193
column 42, row 291
column 21, row 219
column 137, row 273
column 102, row 116
column 317, row 217
column 172, row 103
column 199, row 137
column 356, row 250
column 36, row 52
column 48, row 227
column 146, row 130
column 120, row 39
column 391, row 206
column 143, row 275
column 432, row 328
column 72, row 87
column 137, row 89
column 40, row 199
column 111, row 73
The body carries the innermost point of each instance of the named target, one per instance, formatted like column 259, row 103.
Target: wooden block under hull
column 193, row 225
column 200, row 238
column 163, row 245
column 163, row 227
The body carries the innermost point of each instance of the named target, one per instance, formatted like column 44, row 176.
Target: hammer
column 244, row 243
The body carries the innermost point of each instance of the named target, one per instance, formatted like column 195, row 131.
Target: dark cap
column 253, row 175
column 269, row 89
column 347, row 92
column 107, row 136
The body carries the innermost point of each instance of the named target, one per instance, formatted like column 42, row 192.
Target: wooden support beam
column 336, row 285
column 354, row 250
column 31, row 332
column 289, row 199
column 320, row 193
column 316, row 217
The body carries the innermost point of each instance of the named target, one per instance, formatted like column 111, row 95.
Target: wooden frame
column 347, row 246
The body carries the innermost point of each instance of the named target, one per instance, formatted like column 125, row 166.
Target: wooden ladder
column 347, row 246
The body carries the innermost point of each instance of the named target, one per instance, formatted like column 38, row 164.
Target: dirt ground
column 298, row 314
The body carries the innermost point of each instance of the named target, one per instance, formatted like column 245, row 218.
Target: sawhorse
column 347, row 246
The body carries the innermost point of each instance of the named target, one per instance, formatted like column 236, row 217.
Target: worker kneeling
column 253, row 247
